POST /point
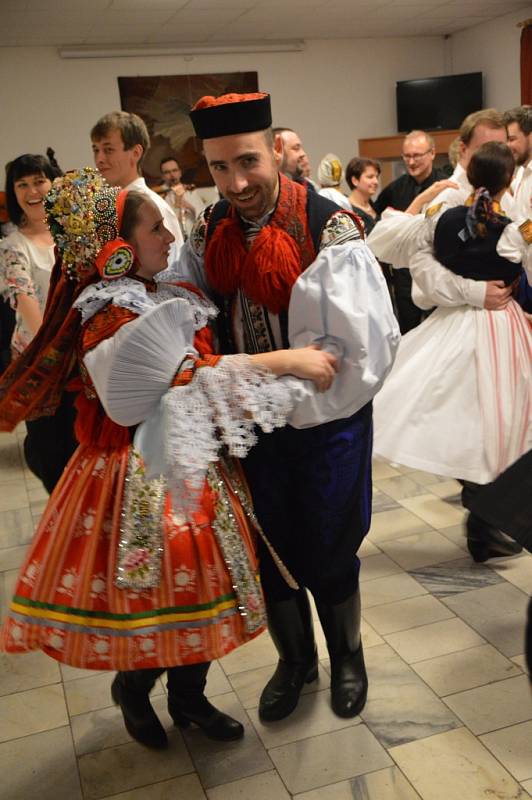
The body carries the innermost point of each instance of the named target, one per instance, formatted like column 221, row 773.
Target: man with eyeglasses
column 418, row 155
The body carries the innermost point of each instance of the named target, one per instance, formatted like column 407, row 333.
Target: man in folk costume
column 288, row 267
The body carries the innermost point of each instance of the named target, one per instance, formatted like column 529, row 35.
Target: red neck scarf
column 278, row 255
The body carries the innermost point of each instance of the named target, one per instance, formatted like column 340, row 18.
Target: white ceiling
column 175, row 22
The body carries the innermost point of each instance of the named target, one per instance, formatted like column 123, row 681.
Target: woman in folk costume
column 125, row 572
column 465, row 375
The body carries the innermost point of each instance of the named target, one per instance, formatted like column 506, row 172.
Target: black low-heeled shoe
column 141, row 721
column 214, row 723
column 485, row 542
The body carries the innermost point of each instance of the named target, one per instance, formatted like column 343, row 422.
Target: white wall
column 333, row 93
column 494, row 49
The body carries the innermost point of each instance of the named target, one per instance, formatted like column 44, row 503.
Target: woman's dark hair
column 21, row 167
column 357, row 166
column 130, row 217
column 492, row 167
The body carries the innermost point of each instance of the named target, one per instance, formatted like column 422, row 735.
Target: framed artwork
column 163, row 102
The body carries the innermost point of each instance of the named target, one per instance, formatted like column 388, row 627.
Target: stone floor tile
column 312, row 717
column 389, row 589
column 89, row 694
column 527, row 786
column 406, row 614
column 434, row 511
column 16, row 527
column 382, row 470
column 382, row 502
column 394, row 524
column 399, row 487
column 497, row 705
column 260, row 652
column 32, row 711
column 520, row 661
column 386, row 784
column 266, row 786
column 513, row 749
column 12, row 557
column 497, row 612
column 466, row 669
column 367, row 549
column 74, row 673
column 329, row 758
column 445, row 488
column 42, row 766
column 217, row 682
column 421, row 550
column 400, row 706
column 436, row 639
column 456, row 535
column 249, row 685
column 427, row 479
column 455, row 577
column 98, row 730
column 21, row 671
column 221, row 762
column 13, row 496
column 378, row 566
column 130, row 766
column 455, row 766
column 517, row 570
column 187, row 787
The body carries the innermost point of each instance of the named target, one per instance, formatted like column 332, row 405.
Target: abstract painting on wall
column 163, row 102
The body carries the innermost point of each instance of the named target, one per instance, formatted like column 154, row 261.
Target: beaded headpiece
column 84, row 215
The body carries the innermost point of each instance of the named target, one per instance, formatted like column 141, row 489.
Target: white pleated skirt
column 458, row 401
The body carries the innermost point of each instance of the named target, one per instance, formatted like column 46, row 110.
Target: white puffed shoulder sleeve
column 341, row 302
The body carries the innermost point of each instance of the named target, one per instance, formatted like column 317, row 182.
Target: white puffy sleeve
column 515, row 244
column 341, row 302
column 435, row 285
column 395, row 237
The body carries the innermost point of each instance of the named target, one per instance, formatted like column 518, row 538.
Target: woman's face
column 151, row 240
column 368, row 183
column 30, row 191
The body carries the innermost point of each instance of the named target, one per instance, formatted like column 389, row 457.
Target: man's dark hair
column 132, row 129
column 22, row 167
column 492, row 167
column 168, row 158
column 522, row 115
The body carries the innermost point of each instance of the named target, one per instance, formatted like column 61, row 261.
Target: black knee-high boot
column 349, row 681
column 290, row 626
column 187, row 703
column 130, row 690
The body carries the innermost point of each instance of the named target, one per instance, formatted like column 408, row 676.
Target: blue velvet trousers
column 312, row 494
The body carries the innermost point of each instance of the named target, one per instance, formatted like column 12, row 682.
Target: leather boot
column 484, row 542
column 349, row 681
column 290, row 626
column 187, row 703
column 130, row 690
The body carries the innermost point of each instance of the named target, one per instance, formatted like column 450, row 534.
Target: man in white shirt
column 186, row 202
column 120, row 141
column 519, row 126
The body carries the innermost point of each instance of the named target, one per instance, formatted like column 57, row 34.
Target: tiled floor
column 449, row 713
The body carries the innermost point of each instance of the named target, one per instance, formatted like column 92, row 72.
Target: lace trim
column 221, row 405
column 131, row 294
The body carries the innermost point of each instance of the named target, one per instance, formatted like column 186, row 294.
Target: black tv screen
column 433, row 104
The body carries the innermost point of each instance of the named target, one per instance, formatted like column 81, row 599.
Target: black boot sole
column 153, row 737
column 216, row 732
column 285, row 706
column 481, row 552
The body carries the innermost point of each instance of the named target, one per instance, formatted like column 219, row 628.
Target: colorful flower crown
column 83, row 218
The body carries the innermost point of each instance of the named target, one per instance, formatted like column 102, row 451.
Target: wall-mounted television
column 433, row 104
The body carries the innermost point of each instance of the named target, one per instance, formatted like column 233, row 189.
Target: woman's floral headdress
column 84, row 215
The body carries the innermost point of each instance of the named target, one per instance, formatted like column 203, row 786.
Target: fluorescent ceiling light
column 119, row 51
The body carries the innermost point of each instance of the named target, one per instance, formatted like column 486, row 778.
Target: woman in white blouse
column 26, row 261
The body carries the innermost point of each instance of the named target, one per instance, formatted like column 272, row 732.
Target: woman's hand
column 311, row 363
column 428, row 195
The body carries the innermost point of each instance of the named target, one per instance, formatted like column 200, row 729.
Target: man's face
column 293, row 154
column 519, row 143
column 481, row 134
column 171, row 173
column 117, row 165
column 418, row 155
column 245, row 169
